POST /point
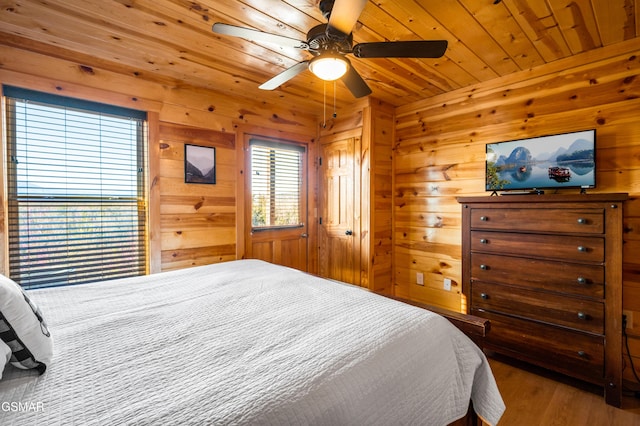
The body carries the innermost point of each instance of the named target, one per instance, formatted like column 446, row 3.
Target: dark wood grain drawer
column 568, row 248
column 572, row 312
column 575, row 353
column 557, row 276
column 584, row 221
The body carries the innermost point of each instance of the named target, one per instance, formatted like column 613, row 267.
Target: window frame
column 141, row 198
column 302, row 195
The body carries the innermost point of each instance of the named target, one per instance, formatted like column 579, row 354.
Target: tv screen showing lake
column 558, row 161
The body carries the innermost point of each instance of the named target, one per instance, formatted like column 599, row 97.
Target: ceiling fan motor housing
column 320, row 42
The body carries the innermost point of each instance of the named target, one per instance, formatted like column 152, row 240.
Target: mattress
column 241, row 343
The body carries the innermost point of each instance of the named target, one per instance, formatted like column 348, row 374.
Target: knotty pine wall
column 197, row 221
column 190, row 224
column 440, row 155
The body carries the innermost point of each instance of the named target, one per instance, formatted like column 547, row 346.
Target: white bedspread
column 245, row 342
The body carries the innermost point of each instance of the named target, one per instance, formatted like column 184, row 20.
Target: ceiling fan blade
column 355, row 83
column 256, row 35
column 343, row 17
column 401, row 49
column 285, row 76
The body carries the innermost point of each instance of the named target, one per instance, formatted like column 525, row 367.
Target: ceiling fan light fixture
column 329, row 67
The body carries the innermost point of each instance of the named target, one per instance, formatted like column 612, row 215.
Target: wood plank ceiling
column 171, row 42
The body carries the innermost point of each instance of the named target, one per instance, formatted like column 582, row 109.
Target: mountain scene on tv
column 552, row 162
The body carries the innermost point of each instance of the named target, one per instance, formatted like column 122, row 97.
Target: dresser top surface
column 547, row 198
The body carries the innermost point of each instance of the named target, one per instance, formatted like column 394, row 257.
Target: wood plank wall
column 190, row 224
column 440, row 154
column 197, row 221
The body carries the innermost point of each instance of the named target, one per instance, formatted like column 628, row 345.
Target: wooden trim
column 360, row 223
column 613, row 295
column 241, row 183
column 4, row 221
column 154, row 240
column 366, row 202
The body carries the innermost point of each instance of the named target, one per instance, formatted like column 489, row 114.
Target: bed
column 245, row 342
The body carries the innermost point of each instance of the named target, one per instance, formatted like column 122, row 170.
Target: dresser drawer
column 579, row 354
column 576, row 313
column 568, row 248
column 583, row 221
column 557, row 276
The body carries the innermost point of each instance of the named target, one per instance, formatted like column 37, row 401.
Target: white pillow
column 5, row 356
column 23, row 329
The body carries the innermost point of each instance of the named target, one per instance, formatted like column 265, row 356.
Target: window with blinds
column 76, row 190
column 276, row 184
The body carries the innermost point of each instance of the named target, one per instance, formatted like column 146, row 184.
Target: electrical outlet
column 419, row 278
column 629, row 315
column 447, row 284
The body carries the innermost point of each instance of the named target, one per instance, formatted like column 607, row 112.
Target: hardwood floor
column 538, row 397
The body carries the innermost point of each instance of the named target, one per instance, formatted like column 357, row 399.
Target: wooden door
column 338, row 237
column 287, row 247
column 287, row 244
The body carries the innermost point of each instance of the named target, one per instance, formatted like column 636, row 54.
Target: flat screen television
column 546, row 162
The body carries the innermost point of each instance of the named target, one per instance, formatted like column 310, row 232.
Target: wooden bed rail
column 474, row 327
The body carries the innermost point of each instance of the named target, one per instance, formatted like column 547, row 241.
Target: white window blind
column 276, row 183
column 76, row 198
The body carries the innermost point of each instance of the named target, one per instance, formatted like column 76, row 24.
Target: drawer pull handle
column 485, row 296
column 582, row 354
column 582, row 280
column 484, row 241
column 582, row 316
column 484, row 267
column 582, row 249
column 582, row 221
column 484, row 218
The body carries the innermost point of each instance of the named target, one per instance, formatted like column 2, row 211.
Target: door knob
column 348, row 232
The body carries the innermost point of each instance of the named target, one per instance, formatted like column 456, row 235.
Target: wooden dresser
column 546, row 270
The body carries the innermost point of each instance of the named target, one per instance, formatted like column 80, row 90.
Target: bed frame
column 475, row 328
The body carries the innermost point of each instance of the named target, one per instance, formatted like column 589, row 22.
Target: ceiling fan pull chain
column 335, row 114
column 324, row 104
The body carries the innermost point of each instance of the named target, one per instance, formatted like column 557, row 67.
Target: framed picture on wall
column 199, row 164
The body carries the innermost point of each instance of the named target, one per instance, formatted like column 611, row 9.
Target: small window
column 276, row 183
column 76, row 190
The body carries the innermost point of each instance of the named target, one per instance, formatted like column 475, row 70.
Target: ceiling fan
column 329, row 43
